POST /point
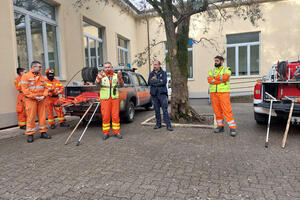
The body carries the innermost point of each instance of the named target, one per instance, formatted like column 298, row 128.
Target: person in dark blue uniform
column 158, row 90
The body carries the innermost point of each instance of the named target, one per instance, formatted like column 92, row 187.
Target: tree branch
column 156, row 5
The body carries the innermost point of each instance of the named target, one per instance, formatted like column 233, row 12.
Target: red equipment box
column 290, row 90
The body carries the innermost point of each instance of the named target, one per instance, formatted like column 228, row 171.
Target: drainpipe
column 148, row 38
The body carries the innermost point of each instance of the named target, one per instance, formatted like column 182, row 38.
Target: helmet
column 49, row 71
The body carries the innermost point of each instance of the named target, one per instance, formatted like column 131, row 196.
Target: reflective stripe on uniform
column 105, row 128
column 231, row 122
column 35, row 87
column 116, row 128
column 116, row 124
column 24, row 82
column 61, row 118
column 32, row 129
column 42, row 127
column 22, row 123
column 50, row 120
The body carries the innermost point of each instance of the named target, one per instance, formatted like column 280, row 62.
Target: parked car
column 134, row 93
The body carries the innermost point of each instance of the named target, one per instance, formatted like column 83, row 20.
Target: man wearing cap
column 219, row 87
column 55, row 88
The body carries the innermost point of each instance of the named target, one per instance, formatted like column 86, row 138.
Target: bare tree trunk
column 178, row 61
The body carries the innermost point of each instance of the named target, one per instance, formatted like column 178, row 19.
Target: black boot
column 64, row 124
column 118, row 136
column 169, row 128
column 232, row 132
column 30, row 139
column 45, row 135
column 23, row 127
column 52, row 126
column 219, row 129
column 105, row 137
column 157, row 126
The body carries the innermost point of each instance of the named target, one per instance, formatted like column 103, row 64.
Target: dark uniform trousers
column 161, row 100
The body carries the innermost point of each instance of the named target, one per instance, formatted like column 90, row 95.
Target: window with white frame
column 37, row 34
column 93, row 44
column 123, row 52
column 190, row 61
column 243, row 54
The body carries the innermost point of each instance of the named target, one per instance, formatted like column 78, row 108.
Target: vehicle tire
column 261, row 119
column 149, row 106
column 89, row 74
column 129, row 113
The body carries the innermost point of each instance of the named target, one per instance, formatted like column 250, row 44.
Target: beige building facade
column 67, row 38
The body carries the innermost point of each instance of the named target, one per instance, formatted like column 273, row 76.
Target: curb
column 147, row 123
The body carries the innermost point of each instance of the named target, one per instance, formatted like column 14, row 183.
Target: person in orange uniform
column 55, row 88
column 218, row 78
column 20, row 107
column 109, row 99
column 34, row 87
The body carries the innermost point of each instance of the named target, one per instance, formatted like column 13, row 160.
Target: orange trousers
column 33, row 108
column 50, row 105
column 110, row 110
column 20, row 109
column 222, row 107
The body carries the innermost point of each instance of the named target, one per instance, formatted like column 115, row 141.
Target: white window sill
column 245, row 77
column 190, row 79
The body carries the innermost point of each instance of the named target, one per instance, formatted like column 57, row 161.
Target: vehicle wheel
column 149, row 106
column 130, row 113
column 261, row 118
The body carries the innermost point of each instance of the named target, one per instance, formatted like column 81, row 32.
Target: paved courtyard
column 187, row 163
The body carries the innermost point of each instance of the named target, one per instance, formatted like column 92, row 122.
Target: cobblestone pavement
column 154, row 164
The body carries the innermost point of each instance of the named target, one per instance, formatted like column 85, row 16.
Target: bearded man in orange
column 109, row 99
column 20, row 107
column 55, row 88
column 34, row 87
column 219, row 88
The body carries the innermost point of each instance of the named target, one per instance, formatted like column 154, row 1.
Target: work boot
column 64, row 124
column 232, row 132
column 30, row 139
column 118, row 136
column 106, row 136
column 52, row 126
column 157, row 126
column 45, row 135
column 23, row 127
column 219, row 129
column 169, row 128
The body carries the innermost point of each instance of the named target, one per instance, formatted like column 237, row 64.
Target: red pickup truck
column 282, row 83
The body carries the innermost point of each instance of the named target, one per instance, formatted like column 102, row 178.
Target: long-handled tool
column 79, row 122
column 78, row 143
column 288, row 123
column 269, row 120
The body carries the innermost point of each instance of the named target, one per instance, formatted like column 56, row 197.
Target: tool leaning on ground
column 288, row 122
column 269, row 119
column 79, row 122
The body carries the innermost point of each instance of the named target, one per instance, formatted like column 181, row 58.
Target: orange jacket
column 34, row 85
column 18, row 83
column 54, row 87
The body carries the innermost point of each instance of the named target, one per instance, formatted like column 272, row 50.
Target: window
column 93, row 44
column 125, row 78
column 243, row 54
column 142, row 80
column 123, row 52
column 135, row 80
column 190, row 60
column 37, row 34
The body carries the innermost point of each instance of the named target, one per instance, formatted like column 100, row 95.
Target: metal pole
column 78, row 143
column 269, row 121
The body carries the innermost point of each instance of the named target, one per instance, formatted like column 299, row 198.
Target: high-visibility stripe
column 48, row 84
column 50, row 120
column 221, row 120
column 231, row 122
column 116, row 124
column 61, row 118
column 19, row 83
column 35, row 87
column 230, row 125
column 23, row 82
column 32, row 129
column 105, row 124
column 58, row 84
column 22, row 123
column 42, row 127
column 105, row 128
column 15, row 80
column 116, row 128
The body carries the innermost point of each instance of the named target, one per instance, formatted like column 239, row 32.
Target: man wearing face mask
column 218, row 78
column 55, row 88
column 34, row 88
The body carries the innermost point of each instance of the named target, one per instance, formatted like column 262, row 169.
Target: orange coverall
column 20, row 107
column 221, row 100
column 110, row 109
column 34, row 85
column 54, row 89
